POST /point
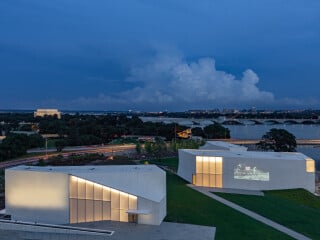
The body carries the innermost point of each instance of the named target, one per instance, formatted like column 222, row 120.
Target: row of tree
column 94, row 129
column 160, row 148
column 15, row 145
column 278, row 140
column 91, row 129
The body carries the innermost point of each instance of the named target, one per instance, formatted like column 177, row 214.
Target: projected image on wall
column 246, row 172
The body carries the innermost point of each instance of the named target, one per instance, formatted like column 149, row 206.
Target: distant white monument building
column 47, row 112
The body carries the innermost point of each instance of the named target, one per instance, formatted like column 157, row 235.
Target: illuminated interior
column 310, row 166
column 93, row 202
column 208, row 172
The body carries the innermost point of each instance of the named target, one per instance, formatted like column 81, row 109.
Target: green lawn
column 171, row 162
column 297, row 209
column 51, row 143
column 186, row 205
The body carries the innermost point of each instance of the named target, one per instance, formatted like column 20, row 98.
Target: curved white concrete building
column 62, row 195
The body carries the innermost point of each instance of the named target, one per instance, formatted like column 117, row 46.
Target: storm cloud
column 170, row 78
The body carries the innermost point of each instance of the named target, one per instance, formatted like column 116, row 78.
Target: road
column 117, row 148
column 67, row 152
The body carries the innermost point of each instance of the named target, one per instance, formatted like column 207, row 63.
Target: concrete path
column 236, row 191
column 165, row 231
column 122, row 231
column 249, row 213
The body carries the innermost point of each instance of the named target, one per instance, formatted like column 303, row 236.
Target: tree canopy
column 216, row 130
column 278, row 140
column 15, row 145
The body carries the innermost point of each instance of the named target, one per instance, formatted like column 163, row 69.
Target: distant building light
column 47, row 112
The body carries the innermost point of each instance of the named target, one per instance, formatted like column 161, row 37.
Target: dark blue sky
column 157, row 55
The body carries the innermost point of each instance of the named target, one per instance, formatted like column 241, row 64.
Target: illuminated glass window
column 93, row 202
column 208, row 171
column 310, row 166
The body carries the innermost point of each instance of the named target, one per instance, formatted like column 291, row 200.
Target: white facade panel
column 187, row 165
column 37, row 196
column 279, row 174
column 156, row 211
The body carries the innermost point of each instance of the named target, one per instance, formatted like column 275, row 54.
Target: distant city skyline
column 159, row 55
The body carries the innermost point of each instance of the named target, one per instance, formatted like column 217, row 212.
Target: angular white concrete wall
column 150, row 184
column 283, row 174
column 187, row 165
column 45, row 196
column 37, row 196
column 157, row 211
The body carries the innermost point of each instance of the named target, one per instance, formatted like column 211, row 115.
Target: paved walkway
column 122, row 231
column 165, row 231
column 249, row 213
column 236, row 191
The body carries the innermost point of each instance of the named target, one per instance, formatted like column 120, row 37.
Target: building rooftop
column 90, row 168
column 249, row 154
column 222, row 144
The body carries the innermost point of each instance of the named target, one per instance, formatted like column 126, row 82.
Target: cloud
column 168, row 81
column 171, row 79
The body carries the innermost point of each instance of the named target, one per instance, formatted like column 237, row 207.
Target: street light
column 46, row 148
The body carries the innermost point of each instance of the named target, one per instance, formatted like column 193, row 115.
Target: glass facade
column 310, row 165
column 208, row 171
column 93, row 202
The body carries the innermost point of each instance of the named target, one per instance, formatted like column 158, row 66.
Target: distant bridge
column 255, row 141
column 193, row 122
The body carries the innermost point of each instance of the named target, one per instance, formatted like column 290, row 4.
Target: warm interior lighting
column 80, row 180
column 132, row 196
column 96, row 185
column 99, row 202
column 208, row 171
column 310, row 165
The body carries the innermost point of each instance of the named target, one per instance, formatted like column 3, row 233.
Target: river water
column 256, row 131
column 299, row 130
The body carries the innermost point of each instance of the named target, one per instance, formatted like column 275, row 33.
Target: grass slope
column 186, row 205
column 297, row 209
column 170, row 162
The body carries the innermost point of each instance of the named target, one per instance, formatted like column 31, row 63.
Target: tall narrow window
column 310, row 167
column 209, row 172
column 93, row 202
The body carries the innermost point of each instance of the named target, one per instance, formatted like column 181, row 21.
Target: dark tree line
column 88, row 130
column 213, row 131
column 278, row 140
column 15, row 145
